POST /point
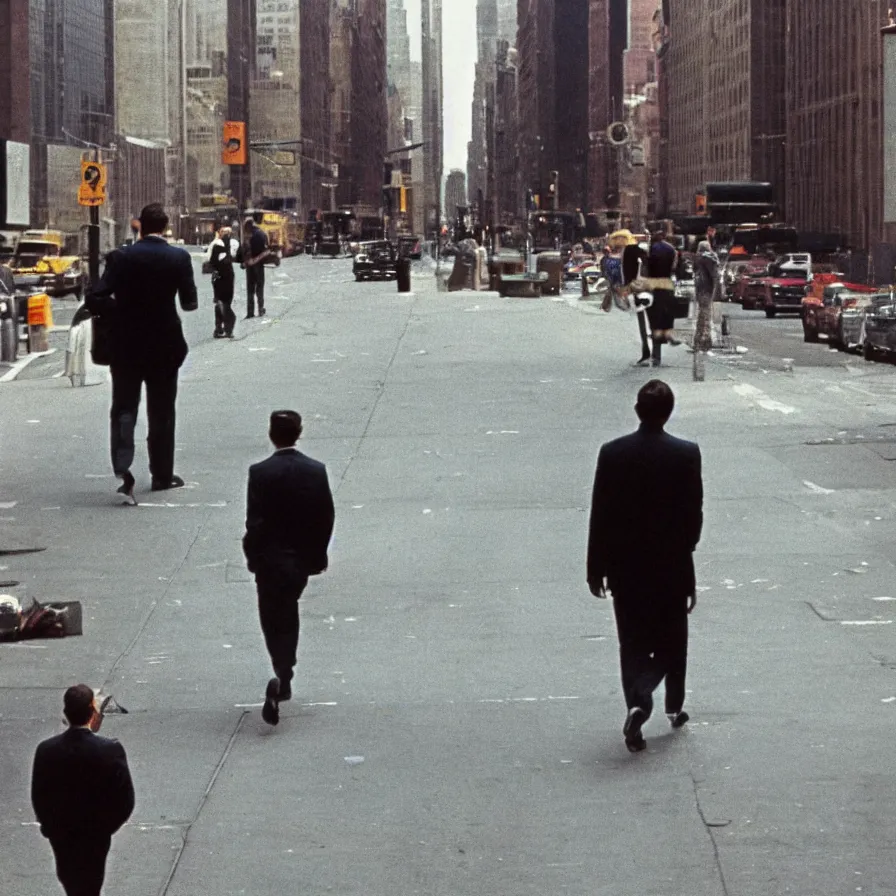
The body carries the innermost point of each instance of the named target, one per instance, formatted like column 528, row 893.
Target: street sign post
column 92, row 190
column 92, row 194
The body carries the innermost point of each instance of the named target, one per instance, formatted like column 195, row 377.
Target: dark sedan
column 376, row 260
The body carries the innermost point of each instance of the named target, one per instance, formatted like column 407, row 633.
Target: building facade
column 315, row 91
column 369, row 119
column 71, row 61
column 15, row 75
column 455, row 193
column 725, row 68
column 554, row 97
column 833, row 124
column 431, row 71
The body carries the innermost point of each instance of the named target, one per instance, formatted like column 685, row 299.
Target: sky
column 459, row 61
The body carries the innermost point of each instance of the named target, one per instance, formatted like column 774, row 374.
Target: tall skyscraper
column 15, row 84
column 455, row 192
column 70, row 45
column 431, row 28
column 725, row 68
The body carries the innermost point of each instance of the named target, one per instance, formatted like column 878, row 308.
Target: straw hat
column 620, row 238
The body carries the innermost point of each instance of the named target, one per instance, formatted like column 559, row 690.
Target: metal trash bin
column 552, row 264
column 403, row 274
column 9, row 333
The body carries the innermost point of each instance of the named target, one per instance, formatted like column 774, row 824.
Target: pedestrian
column 662, row 259
column 646, row 519
column 82, row 793
column 706, row 288
column 634, row 257
column 289, row 521
column 253, row 252
column 136, row 294
column 220, row 256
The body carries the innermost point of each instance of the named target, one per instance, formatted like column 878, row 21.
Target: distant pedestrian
column 634, row 258
column 662, row 260
column 289, row 521
column 254, row 251
column 646, row 520
column 706, row 290
column 82, row 793
column 220, row 256
column 137, row 295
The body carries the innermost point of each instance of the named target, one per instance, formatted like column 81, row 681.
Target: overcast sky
column 459, row 52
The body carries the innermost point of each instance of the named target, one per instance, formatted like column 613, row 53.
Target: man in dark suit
column 289, row 521
column 253, row 252
column 82, row 793
column 137, row 294
column 646, row 519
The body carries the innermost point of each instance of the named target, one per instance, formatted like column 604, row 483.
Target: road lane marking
column 817, row 489
column 751, row 393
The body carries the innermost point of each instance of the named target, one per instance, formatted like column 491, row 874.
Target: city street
column 456, row 725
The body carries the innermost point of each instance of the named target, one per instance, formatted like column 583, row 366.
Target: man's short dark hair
column 655, row 403
column 153, row 219
column 77, row 704
column 286, row 427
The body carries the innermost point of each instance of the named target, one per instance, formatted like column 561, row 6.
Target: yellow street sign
column 92, row 190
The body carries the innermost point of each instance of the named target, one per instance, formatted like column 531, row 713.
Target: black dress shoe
column 127, row 486
column 249, row 317
column 677, row 719
column 261, row 312
column 161, row 485
column 631, row 730
column 270, row 712
column 219, row 334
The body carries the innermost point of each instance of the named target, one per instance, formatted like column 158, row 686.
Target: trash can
column 552, row 264
column 403, row 274
column 9, row 334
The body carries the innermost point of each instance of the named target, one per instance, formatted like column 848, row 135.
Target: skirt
column 661, row 313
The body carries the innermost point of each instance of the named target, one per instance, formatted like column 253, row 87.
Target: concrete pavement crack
column 154, row 605
column 381, row 385
column 709, row 830
column 185, row 832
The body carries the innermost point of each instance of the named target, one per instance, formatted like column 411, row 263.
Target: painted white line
column 7, row 505
column 866, row 622
column 751, row 393
column 817, row 489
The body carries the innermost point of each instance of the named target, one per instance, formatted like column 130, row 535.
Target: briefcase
column 101, row 340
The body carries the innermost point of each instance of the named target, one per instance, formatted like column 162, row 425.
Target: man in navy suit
column 137, row 294
column 82, row 793
column 289, row 521
column 646, row 520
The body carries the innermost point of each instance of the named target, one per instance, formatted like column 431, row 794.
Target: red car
column 826, row 307
column 775, row 291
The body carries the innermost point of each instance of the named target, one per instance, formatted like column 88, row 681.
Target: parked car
column 832, row 308
column 375, row 260
column 742, row 272
column 879, row 328
column 777, row 291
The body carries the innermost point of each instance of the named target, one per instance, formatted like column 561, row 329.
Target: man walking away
column 633, row 257
column 662, row 260
column 137, row 293
column 254, row 251
column 289, row 521
column 220, row 256
column 646, row 519
column 82, row 793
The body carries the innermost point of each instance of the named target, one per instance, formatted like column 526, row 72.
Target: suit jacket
column 137, row 293
column 289, row 513
column 646, row 515
column 81, row 785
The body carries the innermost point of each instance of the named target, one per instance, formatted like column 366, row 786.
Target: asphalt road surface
column 456, row 727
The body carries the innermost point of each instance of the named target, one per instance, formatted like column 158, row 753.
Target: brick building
column 369, row 120
column 724, row 70
column 314, row 100
column 833, row 122
column 553, row 90
column 15, row 84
